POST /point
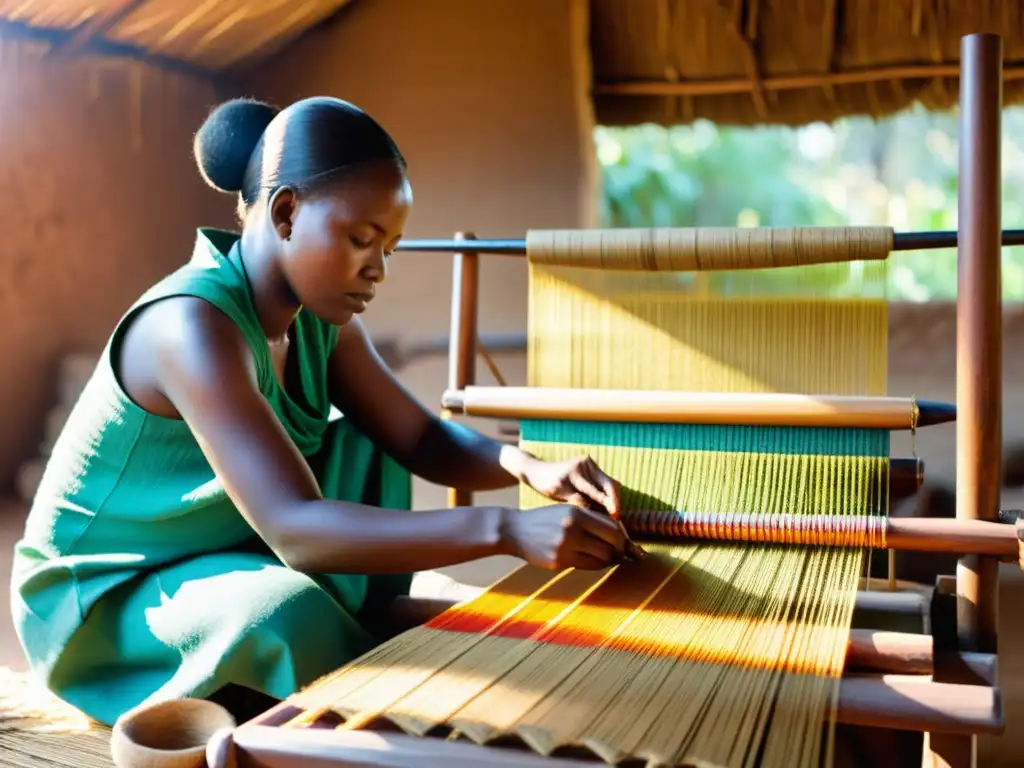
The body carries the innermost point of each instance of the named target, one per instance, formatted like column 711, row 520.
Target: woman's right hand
column 564, row 536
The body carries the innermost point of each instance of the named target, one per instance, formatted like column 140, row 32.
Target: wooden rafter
column 96, row 28
column 787, row 82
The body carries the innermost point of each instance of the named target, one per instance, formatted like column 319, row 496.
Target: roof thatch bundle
column 661, row 61
column 210, row 36
column 788, row 61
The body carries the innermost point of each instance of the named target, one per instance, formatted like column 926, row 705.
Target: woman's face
column 338, row 241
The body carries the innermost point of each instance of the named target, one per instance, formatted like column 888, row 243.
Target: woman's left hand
column 582, row 483
column 579, row 482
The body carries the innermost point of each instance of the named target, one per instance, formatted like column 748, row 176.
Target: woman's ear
column 281, row 207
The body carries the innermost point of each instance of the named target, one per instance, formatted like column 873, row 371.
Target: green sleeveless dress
column 137, row 580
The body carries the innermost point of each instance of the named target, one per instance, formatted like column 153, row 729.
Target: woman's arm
column 439, row 451
column 204, row 367
column 444, row 452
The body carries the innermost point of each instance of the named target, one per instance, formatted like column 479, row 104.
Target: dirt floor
column 1006, row 751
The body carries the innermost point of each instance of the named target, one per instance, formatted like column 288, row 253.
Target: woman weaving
column 202, row 523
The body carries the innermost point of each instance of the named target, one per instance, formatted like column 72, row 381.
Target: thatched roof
column 788, row 61
column 209, row 36
column 664, row 61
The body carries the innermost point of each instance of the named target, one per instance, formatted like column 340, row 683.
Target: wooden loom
column 943, row 683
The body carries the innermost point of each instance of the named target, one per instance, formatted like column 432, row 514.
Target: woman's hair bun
column 225, row 142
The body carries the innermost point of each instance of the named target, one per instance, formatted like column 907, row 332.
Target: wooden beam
column 726, row 87
column 463, row 335
column 979, row 343
column 56, row 39
column 979, row 351
column 96, row 28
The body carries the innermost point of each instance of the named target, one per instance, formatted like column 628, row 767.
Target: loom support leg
column 463, row 336
column 979, row 375
column 979, row 330
column 947, row 750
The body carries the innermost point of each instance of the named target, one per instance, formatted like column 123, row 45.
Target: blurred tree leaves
column 900, row 171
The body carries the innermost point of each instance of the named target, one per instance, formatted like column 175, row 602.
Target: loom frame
column 979, row 359
column 964, row 658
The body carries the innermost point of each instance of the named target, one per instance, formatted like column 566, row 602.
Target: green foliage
column 901, row 171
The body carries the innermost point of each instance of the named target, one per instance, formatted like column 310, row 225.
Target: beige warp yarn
column 711, row 654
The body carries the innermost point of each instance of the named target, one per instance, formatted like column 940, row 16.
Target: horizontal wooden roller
column 901, row 653
column 691, row 249
column 903, row 703
column 907, row 653
column 917, row 704
column 901, row 241
column 919, row 534
column 895, row 413
column 264, row 746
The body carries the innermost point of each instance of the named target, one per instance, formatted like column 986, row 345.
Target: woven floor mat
column 37, row 729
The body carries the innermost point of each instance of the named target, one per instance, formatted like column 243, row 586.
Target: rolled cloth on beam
column 706, row 248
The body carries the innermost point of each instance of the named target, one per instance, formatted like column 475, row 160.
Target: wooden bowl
column 172, row 734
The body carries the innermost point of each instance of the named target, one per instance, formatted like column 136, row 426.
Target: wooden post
column 462, row 339
column 979, row 354
column 979, row 363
